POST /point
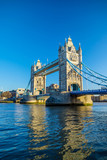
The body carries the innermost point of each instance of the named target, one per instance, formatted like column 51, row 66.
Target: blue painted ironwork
column 89, row 92
column 93, row 70
column 100, row 84
column 103, row 91
column 88, row 73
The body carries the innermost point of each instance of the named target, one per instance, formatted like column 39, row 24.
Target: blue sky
column 32, row 30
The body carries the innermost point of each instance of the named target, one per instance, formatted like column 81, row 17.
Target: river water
column 29, row 132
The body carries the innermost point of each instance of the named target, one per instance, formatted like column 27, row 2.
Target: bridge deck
column 89, row 92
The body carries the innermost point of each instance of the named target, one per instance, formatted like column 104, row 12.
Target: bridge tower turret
column 38, row 83
column 69, row 79
column 80, row 65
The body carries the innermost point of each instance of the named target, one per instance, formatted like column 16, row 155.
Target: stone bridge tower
column 69, row 80
column 38, row 82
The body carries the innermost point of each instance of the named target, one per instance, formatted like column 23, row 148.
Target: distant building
column 100, row 98
column 18, row 92
column 52, row 88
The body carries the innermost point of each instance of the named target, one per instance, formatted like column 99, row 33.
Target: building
column 18, row 92
column 100, row 98
column 38, row 85
column 52, row 88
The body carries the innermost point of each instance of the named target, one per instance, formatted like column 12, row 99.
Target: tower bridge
column 71, row 74
column 68, row 79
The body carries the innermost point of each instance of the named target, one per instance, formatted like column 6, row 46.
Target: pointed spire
column 65, row 42
column 79, row 46
column 59, row 46
column 69, row 39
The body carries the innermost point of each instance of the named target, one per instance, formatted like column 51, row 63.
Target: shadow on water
column 59, row 132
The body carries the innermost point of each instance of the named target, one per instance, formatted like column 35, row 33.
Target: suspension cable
column 93, row 70
column 85, row 77
column 88, row 73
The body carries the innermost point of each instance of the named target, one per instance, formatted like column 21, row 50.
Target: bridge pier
column 82, row 100
column 64, row 98
column 58, row 99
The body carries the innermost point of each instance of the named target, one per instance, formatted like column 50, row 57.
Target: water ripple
column 36, row 132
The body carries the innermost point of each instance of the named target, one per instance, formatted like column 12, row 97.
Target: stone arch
column 75, row 87
column 40, row 92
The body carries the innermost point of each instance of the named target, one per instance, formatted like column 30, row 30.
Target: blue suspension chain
column 85, row 77
column 88, row 73
column 93, row 70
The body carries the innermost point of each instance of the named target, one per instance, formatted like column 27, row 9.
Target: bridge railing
column 96, row 91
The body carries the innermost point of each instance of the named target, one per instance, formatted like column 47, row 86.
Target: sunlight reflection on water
column 39, row 132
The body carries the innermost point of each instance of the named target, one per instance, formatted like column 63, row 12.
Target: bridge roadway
column 89, row 92
column 84, row 92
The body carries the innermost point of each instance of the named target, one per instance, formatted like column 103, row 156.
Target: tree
column 6, row 94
